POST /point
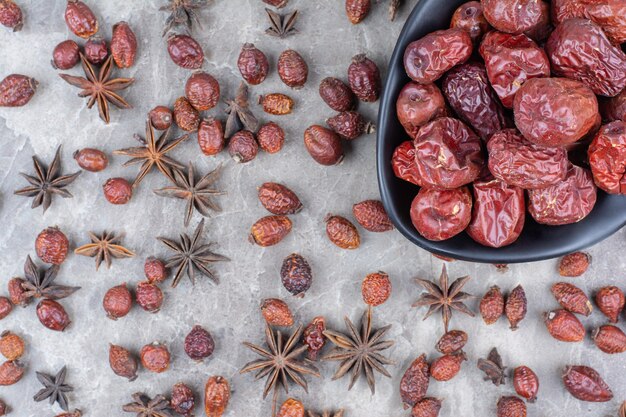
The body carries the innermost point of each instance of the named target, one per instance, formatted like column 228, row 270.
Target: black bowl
column 537, row 242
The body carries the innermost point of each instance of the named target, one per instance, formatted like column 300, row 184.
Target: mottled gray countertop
column 56, row 116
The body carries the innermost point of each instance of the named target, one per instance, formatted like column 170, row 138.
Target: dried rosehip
column 117, row 301
column 371, row 215
column 469, row 17
column 243, row 147
column 292, row 69
column 65, row 55
column 149, row 296
column 253, row 64
column 441, row 214
column 4, row 409
column 512, row 16
column 161, row 117
column 610, row 301
column 182, row 401
column 336, row 94
column 446, row 367
column 510, row 61
column 17, row 292
column 155, row 357
column 404, row 165
column 526, row 383
column 202, row 90
column 448, row 154
column 364, row 78
column 185, row 115
column 278, row 199
column 564, row 326
column 211, row 136
column 414, row 382
column 96, row 50
column 11, row 372
column 11, row 345
column 271, row 137
column 278, row 4
column 276, row 312
column 376, row 288
column 122, row 362
column 585, row 384
column 342, row 232
column 291, row 408
column 609, row 339
column 6, row 306
column 199, row 343
column 91, row 159
column 418, row 104
column 492, row 305
column 269, row 230
column 11, row 15
column 511, row 407
column 516, row 306
column 350, row 125
column 80, row 19
column 185, row 51
column 123, row 45
column 216, row 396
column 428, row 58
column 607, row 158
column 323, row 145
column 51, row 246
column 52, row 315
column 604, row 71
column 572, row 298
column 451, row 342
column 296, row 275
column 276, row 104
column 155, row 270
column 574, row 265
column 117, row 190
column 313, row 337
column 357, row 10
column 16, row 90
column 566, row 202
column 426, row 407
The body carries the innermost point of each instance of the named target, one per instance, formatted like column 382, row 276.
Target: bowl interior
column 537, row 242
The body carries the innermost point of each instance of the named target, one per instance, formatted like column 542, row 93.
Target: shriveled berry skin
column 16, row 90
column 80, row 19
column 51, row 246
column 4, row 409
column 609, row 339
column 607, row 157
column 526, row 383
column 469, row 17
column 313, row 337
column 11, row 15
column 451, row 342
column 211, row 136
column 292, row 69
column 117, row 301
column 271, row 137
column 185, row 51
column 276, row 312
column 291, row 408
column 277, row 3
column 117, row 191
column 270, row 230
column 512, row 16
column 90, row 159
column 364, row 78
column 155, row 270
column 296, row 274
column 243, row 147
column 350, row 125
column 572, row 298
column 414, row 382
column 185, row 115
column 253, row 64
column 276, row 103
column 11, row 372
column 446, row 367
column 52, row 315
column 511, row 407
column 404, row 165
column 371, row 215
column 96, row 50
column 336, row 94
column 564, row 326
column 161, row 117
column 123, row 45
column 357, row 10
column 610, row 301
column 278, row 199
column 202, row 90
column 516, row 306
column 155, row 357
column 585, row 384
column 441, row 214
column 182, row 401
column 418, row 104
column 426, row 407
column 492, row 305
column 65, row 55
column 6, row 306
column 216, row 396
column 149, row 296
column 323, row 145
column 342, row 232
column 11, row 345
column 122, row 362
column 199, row 343
column 376, row 288
column 17, row 292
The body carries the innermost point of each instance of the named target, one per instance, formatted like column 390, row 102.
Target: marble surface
column 56, row 116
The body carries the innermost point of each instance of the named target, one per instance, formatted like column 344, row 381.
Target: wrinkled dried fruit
column 418, row 104
column 16, row 90
column 11, row 345
column 185, row 51
column 572, row 298
column 155, row 357
column 270, row 230
column 185, row 115
column 364, row 78
column 492, row 305
column 357, row 10
column 376, row 288
column 512, row 16
column 183, row 401
column 291, row 408
column 574, row 265
column 585, row 384
column 91, row 159
column 526, row 383
column 607, row 157
column 276, row 312
column 336, row 94
column 404, row 165
column 117, row 190
column 516, row 306
column 11, row 15
column 149, row 296
column 96, row 50
column 65, row 55
column 11, row 372
column 271, row 137
column 609, row 14
column 446, row 367
column 277, row 3
column 253, row 64
column 117, row 301
column 202, row 90
column 610, row 301
column 211, row 136
column 6, row 306
column 155, row 270
column 427, row 407
column 511, row 407
column 296, row 275
column 122, row 362
column 17, row 292
column 451, row 342
column 80, row 19
column 414, row 382
column 123, row 45
column 609, row 339
column 441, row 214
column 372, row 216
column 4, row 409
column 614, row 108
column 243, row 147
column 564, row 326
column 278, row 199
column 51, row 246
column 199, row 343
column 52, row 315
column 469, row 17
column 292, row 69
column 342, row 232
column 323, row 145
column 216, row 396
column 161, row 117
column 350, row 125
column 276, row 104
column 313, row 337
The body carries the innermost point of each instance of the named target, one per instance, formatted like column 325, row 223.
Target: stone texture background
column 56, row 116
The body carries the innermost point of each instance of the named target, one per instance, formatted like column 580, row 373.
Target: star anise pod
column 199, row 194
column 360, row 352
column 55, row 389
column 443, row 297
column 282, row 25
column 191, row 255
column 182, row 13
column 239, row 114
column 326, row 414
column 104, row 247
column 492, row 367
column 100, row 88
column 47, row 182
column 145, row 406
column 39, row 283
column 153, row 153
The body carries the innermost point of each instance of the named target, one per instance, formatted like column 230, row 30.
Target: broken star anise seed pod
column 239, row 114
column 493, row 368
column 182, row 13
column 104, row 248
column 281, row 25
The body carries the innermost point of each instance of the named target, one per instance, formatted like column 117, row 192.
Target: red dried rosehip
column 65, row 55
column 526, row 383
column 278, row 199
column 52, row 315
column 414, row 382
column 96, row 50
column 469, row 17
column 350, row 125
column 292, row 69
column 607, row 157
column 51, row 246
column 17, row 292
column 90, row 159
column 451, row 342
column 418, row 104
column 277, row 3
column 202, row 90
column 516, row 306
column 404, row 164
column 242, row 146
column 511, row 407
column 336, row 94
column 11, row 15
column 80, row 19
column 492, row 305
column 296, row 275
column 4, row 409
column 117, row 301
column 446, row 367
column 269, row 230
column 342, row 232
column 376, row 288
column 11, row 372
column 117, row 190
column 211, row 136
column 217, row 391
column 276, row 312
column 155, row 357
column 161, row 117
column 564, row 326
column 199, row 344
column 185, row 51
column 364, row 78
column 574, row 265
column 6, row 306
column 253, row 64
column 610, row 301
column 313, row 337
column 512, row 16
column 426, row 407
column 122, row 362
column 155, row 270
column 123, row 45
column 149, row 296
column 323, row 145
column 11, row 345
column 609, row 339
column 585, row 384
column 572, row 298
column 276, row 104
column 16, row 90
column 182, row 401
column 372, row 216
column 357, row 10
column 271, row 137
column 185, row 115
column 441, row 214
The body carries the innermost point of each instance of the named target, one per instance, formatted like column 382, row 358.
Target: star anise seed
column 182, row 13
column 493, row 368
column 145, row 406
column 55, row 389
column 39, row 283
column 104, row 248
column 239, row 114
column 282, row 25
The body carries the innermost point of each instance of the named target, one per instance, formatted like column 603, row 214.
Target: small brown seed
column 336, row 94
column 452, row 342
column 564, row 326
column 65, row 55
column 6, row 306
column 123, row 45
column 211, row 136
column 610, row 301
column 357, row 10
column 16, row 90
column 155, row 357
column 271, row 137
column 516, row 306
column 117, row 301
column 185, row 115
column 572, row 298
column 80, row 19
column 11, row 372
column 185, row 51
column 183, row 401
column 575, row 264
column 426, row 407
column 11, row 15
column 609, row 339
column 276, row 312
column 51, row 246
column 276, row 104
column 149, row 296
column 242, row 146
column 511, row 407
column 446, row 367
column 11, row 345
column 122, row 362
column 364, row 78
column 270, row 230
column 155, row 270
column 216, row 396
column 526, row 383
column 372, row 216
column 342, row 232
column 91, row 159
column 96, row 50
column 253, row 64
column 585, row 384
column 292, row 69
column 117, row 191
column 291, row 408
column 414, row 382
column 323, row 145
column 278, row 199
column 296, row 274
column 202, row 90
column 161, row 117
column 492, row 305
column 350, row 125
column 376, row 288
column 52, row 315
column 199, row 343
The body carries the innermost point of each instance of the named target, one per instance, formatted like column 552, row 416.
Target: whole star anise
column 47, row 182
column 100, row 87
column 281, row 25
column 104, row 248
column 239, row 114
column 443, row 297
column 55, row 389
column 182, row 13
column 493, row 368
column 39, row 283
column 145, row 406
